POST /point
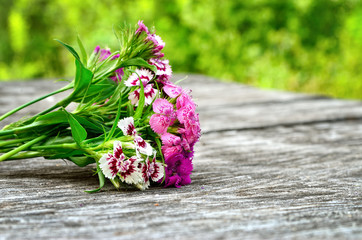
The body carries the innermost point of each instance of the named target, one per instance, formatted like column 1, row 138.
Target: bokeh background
column 296, row 45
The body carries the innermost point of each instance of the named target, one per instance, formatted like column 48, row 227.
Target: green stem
column 23, row 155
column 65, row 102
column 6, row 136
column 9, row 142
column 63, row 146
column 22, row 147
column 34, row 101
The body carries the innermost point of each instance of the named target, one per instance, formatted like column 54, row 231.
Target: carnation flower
column 178, row 170
column 143, row 74
column 164, row 70
column 157, row 41
column 127, row 126
column 149, row 93
column 104, row 54
column 151, row 170
column 172, row 90
column 164, row 117
column 142, row 28
column 118, row 75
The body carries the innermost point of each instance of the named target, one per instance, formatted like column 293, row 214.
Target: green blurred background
column 296, row 45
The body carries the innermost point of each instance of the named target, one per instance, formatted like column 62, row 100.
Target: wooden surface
column 270, row 164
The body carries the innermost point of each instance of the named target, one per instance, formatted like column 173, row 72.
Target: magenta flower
column 178, row 170
column 164, row 117
column 142, row 28
column 104, row 54
column 118, row 75
column 115, row 56
column 97, row 49
column 169, row 139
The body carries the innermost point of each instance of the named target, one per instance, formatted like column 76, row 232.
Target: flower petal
column 159, row 123
column 109, row 165
column 169, row 139
column 143, row 74
column 130, row 172
column 142, row 146
column 172, row 90
column 150, row 94
column 156, row 170
column 127, row 126
column 162, row 106
column 118, row 151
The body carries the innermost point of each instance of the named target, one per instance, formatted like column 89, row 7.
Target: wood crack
column 286, row 125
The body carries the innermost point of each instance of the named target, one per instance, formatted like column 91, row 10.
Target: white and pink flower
column 117, row 164
column 151, row 171
column 164, row 70
column 143, row 75
column 127, row 126
column 142, row 146
column 149, row 92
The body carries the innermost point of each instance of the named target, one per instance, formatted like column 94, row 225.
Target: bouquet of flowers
column 129, row 118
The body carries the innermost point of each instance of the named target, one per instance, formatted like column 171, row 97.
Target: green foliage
column 311, row 46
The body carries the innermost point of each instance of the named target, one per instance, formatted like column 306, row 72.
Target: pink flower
column 115, row 56
column 169, row 139
column 149, row 92
column 142, row 28
column 185, row 100
column 143, row 74
column 164, row 117
column 172, row 90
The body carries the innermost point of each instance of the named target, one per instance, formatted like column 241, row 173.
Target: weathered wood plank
column 272, row 177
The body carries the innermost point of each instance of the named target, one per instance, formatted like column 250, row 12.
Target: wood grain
column 270, row 164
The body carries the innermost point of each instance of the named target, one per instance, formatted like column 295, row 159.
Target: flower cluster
column 130, row 120
column 137, row 169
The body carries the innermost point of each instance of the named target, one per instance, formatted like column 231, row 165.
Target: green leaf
column 139, row 62
column 82, row 50
column 89, row 124
column 101, row 91
column 83, row 78
column 110, row 135
column 81, row 161
column 70, row 49
column 78, row 132
column 101, row 181
column 40, row 122
column 141, row 103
